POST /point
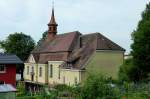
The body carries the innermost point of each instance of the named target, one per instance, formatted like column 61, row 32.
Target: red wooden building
column 8, row 68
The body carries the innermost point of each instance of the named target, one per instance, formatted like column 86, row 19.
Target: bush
column 99, row 87
column 135, row 90
column 21, row 89
column 128, row 72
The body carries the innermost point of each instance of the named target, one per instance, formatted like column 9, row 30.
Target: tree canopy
column 141, row 45
column 44, row 35
column 19, row 44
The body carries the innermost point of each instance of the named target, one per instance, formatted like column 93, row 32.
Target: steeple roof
column 52, row 21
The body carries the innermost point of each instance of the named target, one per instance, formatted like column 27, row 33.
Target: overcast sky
column 116, row 19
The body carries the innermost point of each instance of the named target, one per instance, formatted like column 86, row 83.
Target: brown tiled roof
column 73, row 48
column 45, row 57
column 88, row 45
column 80, row 56
column 104, row 43
column 60, row 43
column 36, row 57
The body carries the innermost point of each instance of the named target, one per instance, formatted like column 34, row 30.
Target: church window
column 64, row 80
column 51, row 71
column 59, row 72
column 40, row 72
column 27, row 70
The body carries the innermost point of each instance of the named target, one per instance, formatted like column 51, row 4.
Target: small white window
column 2, row 68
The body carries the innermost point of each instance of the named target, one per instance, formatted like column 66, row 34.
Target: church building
column 68, row 58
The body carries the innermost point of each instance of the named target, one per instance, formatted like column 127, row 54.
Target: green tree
column 128, row 71
column 19, row 44
column 141, row 46
column 44, row 36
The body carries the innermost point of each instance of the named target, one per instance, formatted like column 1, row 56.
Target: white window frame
column 4, row 71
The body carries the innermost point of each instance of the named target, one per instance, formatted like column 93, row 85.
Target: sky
column 116, row 19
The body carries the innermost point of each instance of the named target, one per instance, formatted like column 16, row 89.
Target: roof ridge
column 90, row 34
column 68, row 33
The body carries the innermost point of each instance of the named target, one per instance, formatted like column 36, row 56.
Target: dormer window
column 2, row 68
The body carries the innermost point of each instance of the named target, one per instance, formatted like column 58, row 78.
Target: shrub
column 21, row 89
column 128, row 71
column 99, row 87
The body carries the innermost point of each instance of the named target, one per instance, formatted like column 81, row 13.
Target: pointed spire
column 52, row 26
column 52, row 21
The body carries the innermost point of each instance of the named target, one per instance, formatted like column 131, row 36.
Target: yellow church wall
column 105, row 62
column 70, row 76
column 43, row 77
column 62, row 76
column 55, row 72
column 83, row 76
column 28, row 76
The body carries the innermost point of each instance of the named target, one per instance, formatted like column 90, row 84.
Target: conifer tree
column 141, row 46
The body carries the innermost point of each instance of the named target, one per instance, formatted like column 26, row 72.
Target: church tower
column 52, row 26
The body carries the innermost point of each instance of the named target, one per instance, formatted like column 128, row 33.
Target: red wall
column 10, row 76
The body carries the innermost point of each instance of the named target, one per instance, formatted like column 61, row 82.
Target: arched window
column 54, row 28
column 51, row 70
column 64, row 80
column 59, row 72
column 27, row 70
column 50, row 28
column 40, row 72
column 32, row 69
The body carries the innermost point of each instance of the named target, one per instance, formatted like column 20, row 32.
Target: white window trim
column 4, row 69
